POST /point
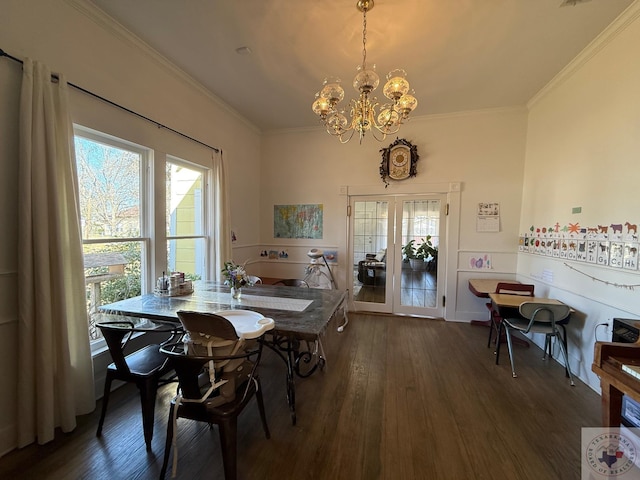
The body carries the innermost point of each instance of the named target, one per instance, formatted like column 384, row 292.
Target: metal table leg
column 288, row 349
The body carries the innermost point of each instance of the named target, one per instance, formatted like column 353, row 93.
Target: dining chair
column 217, row 377
column 145, row 368
column 541, row 318
column 292, row 282
column 254, row 280
column 495, row 318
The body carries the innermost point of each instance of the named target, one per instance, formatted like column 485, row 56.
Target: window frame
column 205, row 214
column 145, row 209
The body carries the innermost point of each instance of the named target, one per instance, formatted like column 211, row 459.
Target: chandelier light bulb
column 397, row 85
column 366, row 80
column 407, row 104
column 337, row 122
column 321, row 106
column 332, row 91
column 387, row 119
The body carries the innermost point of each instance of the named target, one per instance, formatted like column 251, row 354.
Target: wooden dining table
column 505, row 301
column 301, row 316
column 481, row 288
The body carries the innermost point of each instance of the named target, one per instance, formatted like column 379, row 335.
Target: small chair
column 511, row 289
column 292, row 282
column 144, row 367
column 217, row 378
column 540, row 318
column 372, row 270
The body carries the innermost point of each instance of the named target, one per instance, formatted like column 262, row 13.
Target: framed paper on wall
column 297, row 221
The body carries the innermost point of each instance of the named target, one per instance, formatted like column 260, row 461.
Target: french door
column 383, row 279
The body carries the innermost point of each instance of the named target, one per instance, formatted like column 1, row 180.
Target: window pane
column 187, row 256
column 112, row 273
column 420, row 222
column 109, row 184
column 420, row 219
column 184, row 201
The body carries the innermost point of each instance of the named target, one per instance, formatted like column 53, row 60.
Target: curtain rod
column 95, row 95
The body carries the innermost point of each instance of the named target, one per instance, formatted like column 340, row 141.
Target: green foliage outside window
column 123, row 287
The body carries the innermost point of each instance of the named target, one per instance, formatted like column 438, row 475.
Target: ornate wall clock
column 399, row 161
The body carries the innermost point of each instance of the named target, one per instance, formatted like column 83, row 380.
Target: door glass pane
column 420, row 224
column 370, row 230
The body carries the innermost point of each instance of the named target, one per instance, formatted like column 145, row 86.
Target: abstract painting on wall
column 297, row 221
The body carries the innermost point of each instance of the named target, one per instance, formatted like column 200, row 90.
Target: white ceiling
column 459, row 54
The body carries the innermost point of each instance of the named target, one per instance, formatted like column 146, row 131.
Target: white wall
column 582, row 151
column 483, row 151
column 72, row 38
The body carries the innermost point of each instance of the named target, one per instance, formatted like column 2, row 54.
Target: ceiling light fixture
column 363, row 109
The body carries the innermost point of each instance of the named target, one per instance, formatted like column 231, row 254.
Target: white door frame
column 385, row 307
column 452, row 192
column 437, row 309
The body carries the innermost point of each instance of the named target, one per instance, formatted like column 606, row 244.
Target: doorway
column 383, row 278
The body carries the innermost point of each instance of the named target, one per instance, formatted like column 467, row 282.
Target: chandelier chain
column 364, row 40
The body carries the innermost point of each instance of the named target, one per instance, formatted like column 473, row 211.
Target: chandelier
column 363, row 109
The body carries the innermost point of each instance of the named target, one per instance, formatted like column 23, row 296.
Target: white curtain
column 55, row 379
column 222, row 215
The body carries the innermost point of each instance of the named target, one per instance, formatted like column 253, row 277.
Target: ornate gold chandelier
column 363, row 109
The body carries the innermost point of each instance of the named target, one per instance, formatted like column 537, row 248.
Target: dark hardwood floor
column 417, row 288
column 401, row 398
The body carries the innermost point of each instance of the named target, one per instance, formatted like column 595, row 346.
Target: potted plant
column 417, row 254
column 408, row 251
column 432, row 263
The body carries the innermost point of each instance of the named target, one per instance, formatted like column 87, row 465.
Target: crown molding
column 114, row 27
column 473, row 113
column 605, row 37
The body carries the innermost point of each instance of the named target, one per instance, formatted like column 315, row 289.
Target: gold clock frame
column 399, row 161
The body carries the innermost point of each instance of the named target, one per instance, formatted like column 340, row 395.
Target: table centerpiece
column 236, row 277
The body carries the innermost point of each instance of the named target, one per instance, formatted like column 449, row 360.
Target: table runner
column 259, row 301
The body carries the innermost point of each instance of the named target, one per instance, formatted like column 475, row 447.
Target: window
column 112, row 184
column 186, row 219
column 127, row 240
